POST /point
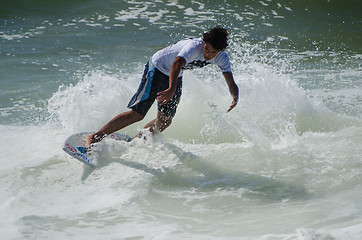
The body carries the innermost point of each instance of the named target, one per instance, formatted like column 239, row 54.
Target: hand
column 234, row 103
column 165, row 96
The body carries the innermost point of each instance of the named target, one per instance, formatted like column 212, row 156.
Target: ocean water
column 284, row 164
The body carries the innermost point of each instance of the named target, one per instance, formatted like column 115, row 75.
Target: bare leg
column 158, row 124
column 120, row 121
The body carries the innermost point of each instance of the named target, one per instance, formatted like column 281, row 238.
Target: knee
column 168, row 122
column 164, row 123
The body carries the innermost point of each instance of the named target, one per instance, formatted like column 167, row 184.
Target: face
column 209, row 52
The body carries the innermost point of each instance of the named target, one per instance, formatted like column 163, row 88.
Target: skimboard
column 75, row 146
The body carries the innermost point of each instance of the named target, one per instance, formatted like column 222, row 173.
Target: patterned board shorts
column 154, row 81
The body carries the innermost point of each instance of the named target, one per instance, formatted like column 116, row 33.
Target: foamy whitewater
column 284, row 164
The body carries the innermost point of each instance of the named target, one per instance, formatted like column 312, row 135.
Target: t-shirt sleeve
column 223, row 62
column 189, row 51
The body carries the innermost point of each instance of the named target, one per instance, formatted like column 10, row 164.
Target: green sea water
column 284, row 164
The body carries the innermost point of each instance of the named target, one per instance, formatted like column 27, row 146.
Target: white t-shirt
column 191, row 50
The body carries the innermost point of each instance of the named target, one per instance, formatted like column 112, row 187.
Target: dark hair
column 217, row 37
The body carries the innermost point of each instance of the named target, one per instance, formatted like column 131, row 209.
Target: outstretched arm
column 233, row 89
column 165, row 96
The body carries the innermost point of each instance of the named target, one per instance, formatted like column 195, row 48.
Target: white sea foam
column 255, row 157
column 255, row 167
column 284, row 164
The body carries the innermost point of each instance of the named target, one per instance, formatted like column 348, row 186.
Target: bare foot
column 93, row 138
column 90, row 140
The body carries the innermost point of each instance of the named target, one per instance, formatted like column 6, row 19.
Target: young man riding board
column 162, row 80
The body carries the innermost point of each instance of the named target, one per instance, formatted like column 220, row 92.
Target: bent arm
column 233, row 89
column 165, row 96
column 175, row 71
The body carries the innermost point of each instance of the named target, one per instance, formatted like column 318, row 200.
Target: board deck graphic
column 75, row 147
